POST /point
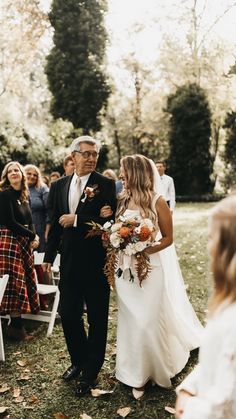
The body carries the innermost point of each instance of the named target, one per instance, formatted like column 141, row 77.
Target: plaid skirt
column 16, row 259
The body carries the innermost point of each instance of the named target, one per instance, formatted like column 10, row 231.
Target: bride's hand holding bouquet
column 127, row 237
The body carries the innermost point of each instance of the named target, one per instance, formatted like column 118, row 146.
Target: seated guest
column 46, row 180
column 17, row 240
column 111, row 175
column 38, row 203
column 54, row 176
column 68, row 165
column 209, row 392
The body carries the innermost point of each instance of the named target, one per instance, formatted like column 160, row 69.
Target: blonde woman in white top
column 209, row 392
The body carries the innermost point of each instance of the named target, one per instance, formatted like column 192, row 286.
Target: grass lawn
column 41, row 392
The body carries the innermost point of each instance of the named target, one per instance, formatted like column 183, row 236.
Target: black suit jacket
column 79, row 255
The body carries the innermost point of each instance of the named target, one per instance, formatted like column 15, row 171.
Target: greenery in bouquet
column 130, row 237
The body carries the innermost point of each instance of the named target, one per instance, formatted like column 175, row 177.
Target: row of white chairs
column 48, row 316
column 3, row 284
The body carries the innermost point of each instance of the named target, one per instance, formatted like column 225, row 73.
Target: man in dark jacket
column 78, row 199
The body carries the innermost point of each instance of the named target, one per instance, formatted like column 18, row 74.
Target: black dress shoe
column 84, row 387
column 71, row 372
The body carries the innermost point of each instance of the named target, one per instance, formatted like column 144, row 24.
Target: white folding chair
column 44, row 289
column 3, row 284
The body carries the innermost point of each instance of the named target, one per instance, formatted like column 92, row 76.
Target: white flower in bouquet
column 140, row 246
column 116, row 227
column 130, row 249
column 115, row 240
column 107, row 225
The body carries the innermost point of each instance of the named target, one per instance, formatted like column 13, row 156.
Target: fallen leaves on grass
column 3, row 388
column 23, row 377
column 18, row 399
column 96, row 392
column 170, row 410
column 16, row 392
column 124, row 411
column 3, row 409
column 60, row 415
column 22, row 362
column 62, row 355
column 33, row 399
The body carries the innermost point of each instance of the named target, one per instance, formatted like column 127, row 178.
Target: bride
column 157, row 326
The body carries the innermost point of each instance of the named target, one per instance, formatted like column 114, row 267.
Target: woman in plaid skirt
column 17, row 240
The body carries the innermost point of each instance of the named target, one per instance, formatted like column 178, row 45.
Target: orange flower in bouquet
column 144, row 234
column 125, row 232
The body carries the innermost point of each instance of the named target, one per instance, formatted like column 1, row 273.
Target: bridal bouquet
column 125, row 238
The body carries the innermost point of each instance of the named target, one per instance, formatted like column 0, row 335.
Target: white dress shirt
column 213, row 381
column 168, row 190
column 73, row 190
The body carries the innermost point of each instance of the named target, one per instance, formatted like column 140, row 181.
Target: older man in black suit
column 74, row 201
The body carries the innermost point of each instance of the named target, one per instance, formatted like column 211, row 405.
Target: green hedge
column 200, row 198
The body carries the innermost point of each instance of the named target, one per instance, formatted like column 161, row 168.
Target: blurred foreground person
column 209, row 392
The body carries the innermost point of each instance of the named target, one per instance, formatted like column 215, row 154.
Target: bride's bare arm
column 165, row 225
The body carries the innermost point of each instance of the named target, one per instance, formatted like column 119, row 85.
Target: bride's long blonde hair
column 223, row 251
column 139, row 178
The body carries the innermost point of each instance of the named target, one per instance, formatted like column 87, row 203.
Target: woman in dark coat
column 17, row 240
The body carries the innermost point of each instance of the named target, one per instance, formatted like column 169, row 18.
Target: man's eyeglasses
column 87, row 154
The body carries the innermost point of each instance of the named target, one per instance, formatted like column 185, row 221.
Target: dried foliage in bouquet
column 129, row 237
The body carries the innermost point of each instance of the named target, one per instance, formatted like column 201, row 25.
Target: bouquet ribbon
column 127, row 266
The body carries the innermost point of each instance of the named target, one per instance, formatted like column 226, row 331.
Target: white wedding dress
column 157, row 326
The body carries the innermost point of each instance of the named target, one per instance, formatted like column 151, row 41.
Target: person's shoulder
column 168, row 177
column 225, row 318
column 60, row 182
column 229, row 312
column 44, row 188
column 5, row 193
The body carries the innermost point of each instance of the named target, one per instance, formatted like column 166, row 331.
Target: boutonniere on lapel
column 90, row 192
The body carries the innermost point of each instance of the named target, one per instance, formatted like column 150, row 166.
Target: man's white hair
column 75, row 145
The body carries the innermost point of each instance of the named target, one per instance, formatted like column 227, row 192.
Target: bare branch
column 214, row 23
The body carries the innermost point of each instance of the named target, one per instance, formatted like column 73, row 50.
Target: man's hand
column 46, row 267
column 106, row 211
column 181, row 402
column 67, row 220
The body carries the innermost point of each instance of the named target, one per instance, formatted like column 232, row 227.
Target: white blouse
column 213, row 381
